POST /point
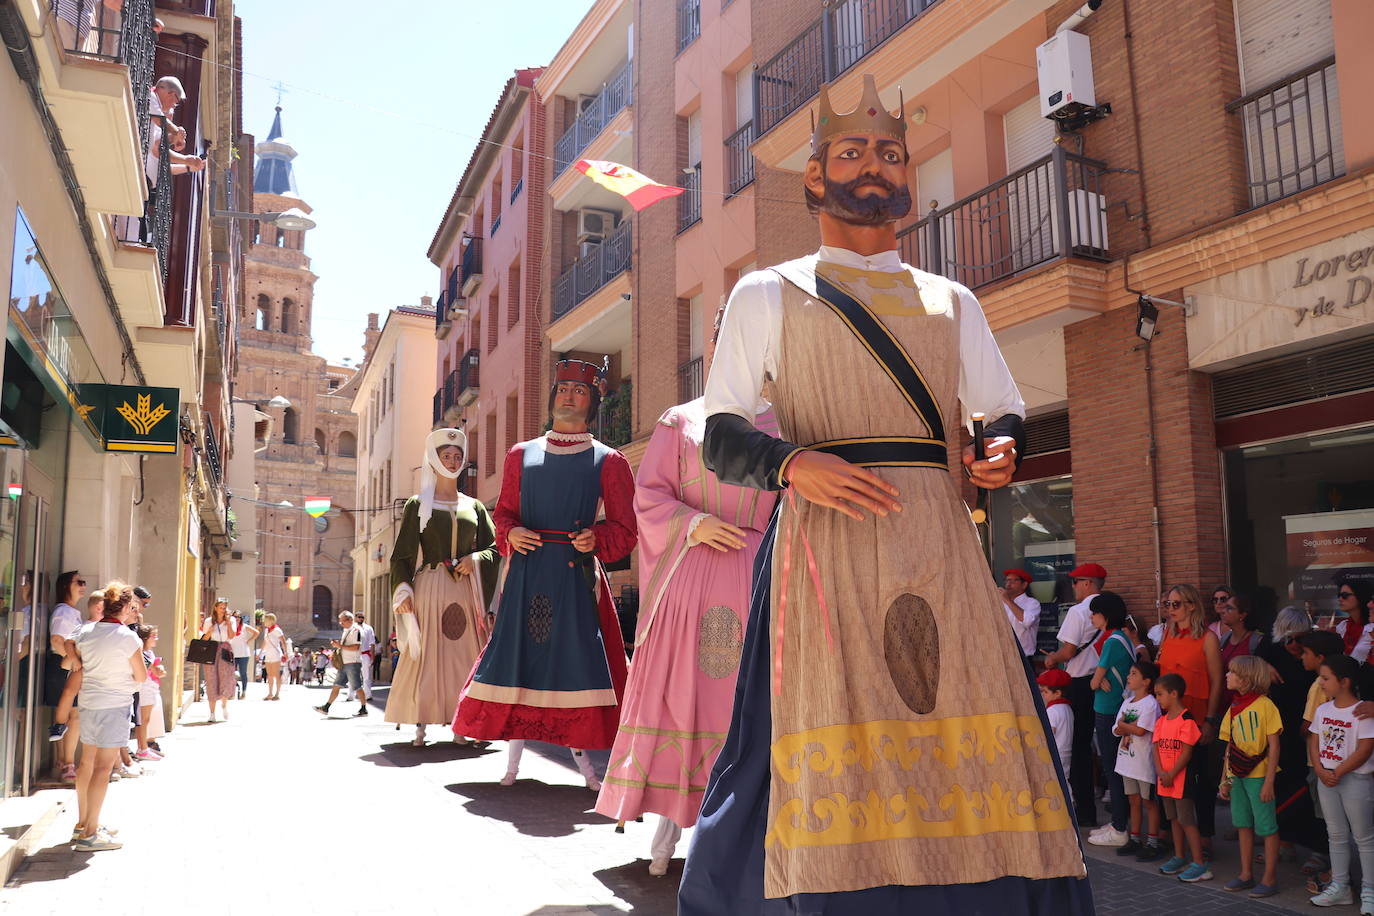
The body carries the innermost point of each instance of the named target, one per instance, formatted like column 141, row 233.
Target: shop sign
column 1324, row 291
column 1323, row 547
column 134, row 418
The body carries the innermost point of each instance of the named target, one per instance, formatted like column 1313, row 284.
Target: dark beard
column 841, row 202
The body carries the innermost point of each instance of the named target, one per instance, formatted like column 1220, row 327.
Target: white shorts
column 106, row 727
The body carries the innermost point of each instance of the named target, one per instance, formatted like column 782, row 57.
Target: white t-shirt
column 1133, row 754
column 1025, row 628
column 1361, row 651
column 65, row 621
column 1337, row 731
column 1061, row 724
column 350, row 640
column 108, row 680
column 274, row 643
column 239, row 642
column 1078, row 630
column 369, row 636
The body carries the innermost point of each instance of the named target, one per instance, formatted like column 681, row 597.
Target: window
column 320, row 442
column 286, row 570
column 512, row 420
column 744, row 96
column 348, row 445
column 288, row 316
column 1031, row 527
column 264, row 322
column 489, row 430
column 514, row 291
column 290, row 426
column 493, row 318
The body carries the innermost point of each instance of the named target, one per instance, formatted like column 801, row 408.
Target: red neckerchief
column 1106, row 635
column 111, row 620
column 1057, row 702
column 1241, row 701
column 1352, row 635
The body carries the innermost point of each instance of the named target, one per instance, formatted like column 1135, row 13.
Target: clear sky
column 384, row 103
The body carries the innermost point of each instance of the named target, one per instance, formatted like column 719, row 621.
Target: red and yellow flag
column 640, row 190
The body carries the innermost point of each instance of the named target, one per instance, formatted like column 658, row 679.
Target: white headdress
column 432, row 468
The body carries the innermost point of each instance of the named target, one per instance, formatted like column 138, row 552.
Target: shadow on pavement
column 405, row 754
column 532, row 807
column 51, row 864
column 632, row 884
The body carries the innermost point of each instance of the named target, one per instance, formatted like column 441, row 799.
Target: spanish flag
column 640, row 190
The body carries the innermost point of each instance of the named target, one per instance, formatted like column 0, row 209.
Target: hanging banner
column 317, row 505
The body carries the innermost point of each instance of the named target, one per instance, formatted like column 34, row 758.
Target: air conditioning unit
column 459, row 309
column 595, row 225
column 1064, row 70
column 584, row 102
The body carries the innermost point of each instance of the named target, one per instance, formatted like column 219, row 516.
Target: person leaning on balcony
column 75, row 18
column 166, row 94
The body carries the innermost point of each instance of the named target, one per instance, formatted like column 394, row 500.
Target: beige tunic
column 906, row 744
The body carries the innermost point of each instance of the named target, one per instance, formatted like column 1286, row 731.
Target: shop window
column 1031, row 527
column 1301, row 515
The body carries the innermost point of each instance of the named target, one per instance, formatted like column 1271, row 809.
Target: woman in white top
column 220, row 682
column 274, row 647
column 62, row 627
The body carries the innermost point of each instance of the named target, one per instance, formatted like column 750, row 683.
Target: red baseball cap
column 1088, row 571
column 1020, row 574
column 1054, row 678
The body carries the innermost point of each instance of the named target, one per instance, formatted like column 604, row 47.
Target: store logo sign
column 1354, row 267
column 146, row 416
column 133, row 418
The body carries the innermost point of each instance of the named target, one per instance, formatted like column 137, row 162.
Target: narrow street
column 281, row 807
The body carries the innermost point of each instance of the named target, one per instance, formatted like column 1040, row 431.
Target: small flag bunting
column 640, row 190
column 293, row 583
column 16, row 491
column 317, row 506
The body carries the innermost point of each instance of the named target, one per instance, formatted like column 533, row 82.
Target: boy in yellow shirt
column 1252, row 726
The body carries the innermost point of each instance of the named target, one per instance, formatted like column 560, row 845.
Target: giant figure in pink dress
column 697, row 541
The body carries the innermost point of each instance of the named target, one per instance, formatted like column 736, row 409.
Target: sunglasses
column 80, row 581
column 1220, row 599
column 1172, row 605
column 1338, row 594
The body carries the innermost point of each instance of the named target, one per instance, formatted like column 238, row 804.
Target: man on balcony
column 888, row 749
column 554, row 669
column 164, row 96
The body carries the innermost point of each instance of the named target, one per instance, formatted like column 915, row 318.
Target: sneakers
column 658, row 867
column 100, row 840
column 1109, row 836
column 1367, row 901
column 323, row 709
column 1130, row 848
column 1194, row 873
column 57, row 731
column 69, row 773
column 147, row 754
column 78, row 830
column 1150, row 852
column 362, row 711
column 1334, row 895
column 1173, row 866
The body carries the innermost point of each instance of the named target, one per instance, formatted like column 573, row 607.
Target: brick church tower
column 313, row 447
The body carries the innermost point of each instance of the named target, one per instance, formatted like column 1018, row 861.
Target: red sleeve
column 616, row 536
column 507, row 512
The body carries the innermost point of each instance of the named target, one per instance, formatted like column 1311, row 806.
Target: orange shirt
column 1186, row 657
column 1171, row 737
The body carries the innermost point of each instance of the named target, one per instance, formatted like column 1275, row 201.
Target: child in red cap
column 1053, row 683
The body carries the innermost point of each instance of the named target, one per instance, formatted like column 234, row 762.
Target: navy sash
column 896, row 363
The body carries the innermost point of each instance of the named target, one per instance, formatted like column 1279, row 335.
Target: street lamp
column 293, row 219
column 279, row 402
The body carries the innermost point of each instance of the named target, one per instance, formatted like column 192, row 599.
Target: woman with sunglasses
column 1191, row 650
column 1220, row 596
column 1355, row 596
column 62, row 626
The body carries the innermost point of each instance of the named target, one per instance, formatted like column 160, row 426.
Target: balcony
column 688, row 23
column 689, row 202
column 690, row 380
column 1292, row 133
column 468, row 378
column 471, row 277
column 739, row 161
column 212, row 457
column 1051, row 209
column 614, row 425
column 599, row 112
column 438, row 406
column 599, row 266
column 845, row 34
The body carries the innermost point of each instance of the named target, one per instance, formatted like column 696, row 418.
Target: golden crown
column 868, row 116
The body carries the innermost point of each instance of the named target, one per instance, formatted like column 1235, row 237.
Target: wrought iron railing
column 688, row 23
column 495, row 224
column 438, row 405
column 472, row 260
column 212, row 458
column 469, row 373
column 599, row 266
column 92, row 29
column 450, row 388
column 517, row 188
column 614, row 96
column 690, row 380
column 739, row 160
column 1052, row 208
column 689, row 201
column 614, row 425
column 441, row 310
column 1292, row 133
column 845, row 34
column 157, row 219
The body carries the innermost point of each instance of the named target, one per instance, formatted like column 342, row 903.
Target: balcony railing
column 738, row 159
column 690, row 382
column 689, row 202
column 614, row 425
column 438, row 406
column 125, row 36
column 1052, row 208
column 472, row 265
column 614, row 96
column 495, row 224
column 846, row 33
column 599, row 266
column 450, row 388
column 688, row 23
column 1292, row 133
column 469, row 378
column 212, row 458
column 517, row 188
column 157, row 209
column 441, row 310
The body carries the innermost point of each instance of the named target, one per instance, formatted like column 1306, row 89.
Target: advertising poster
column 1323, row 547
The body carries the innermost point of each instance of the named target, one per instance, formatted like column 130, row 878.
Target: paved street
column 281, row 807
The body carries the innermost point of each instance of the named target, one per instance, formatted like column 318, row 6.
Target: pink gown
column 693, row 604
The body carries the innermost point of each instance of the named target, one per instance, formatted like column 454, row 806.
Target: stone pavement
column 280, row 807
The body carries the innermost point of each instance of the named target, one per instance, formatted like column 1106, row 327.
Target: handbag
column 201, row 651
column 226, row 653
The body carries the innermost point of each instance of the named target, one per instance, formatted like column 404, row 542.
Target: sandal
column 1315, row 864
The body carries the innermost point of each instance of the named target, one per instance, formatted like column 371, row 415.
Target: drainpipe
column 1083, row 12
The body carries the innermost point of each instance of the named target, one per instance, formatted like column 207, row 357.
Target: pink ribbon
column 782, row 599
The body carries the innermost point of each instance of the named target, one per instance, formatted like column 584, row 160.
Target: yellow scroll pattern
column 994, row 749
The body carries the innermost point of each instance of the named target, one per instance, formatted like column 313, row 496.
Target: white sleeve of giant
column 985, row 382
column 747, row 348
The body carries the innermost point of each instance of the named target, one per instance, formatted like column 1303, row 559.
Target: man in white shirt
column 1023, row 611
column 368, row 652
column 1078, row 655
column 349, row 676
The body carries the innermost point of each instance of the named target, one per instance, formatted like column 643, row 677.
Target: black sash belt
column 888, row 452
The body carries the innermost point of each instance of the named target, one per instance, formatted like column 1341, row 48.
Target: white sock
column 665, row 839
column 419, row 733
column 584, row 764
column 516, row 748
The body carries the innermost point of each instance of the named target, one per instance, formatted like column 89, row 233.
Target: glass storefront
column 1031, row 528
column 1300, row 514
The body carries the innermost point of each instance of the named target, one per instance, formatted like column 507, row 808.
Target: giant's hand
column 828, row 480
column 718, row 534
column 997, row 469
column 584, row 541
column 405, row 607
column 523, row 540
